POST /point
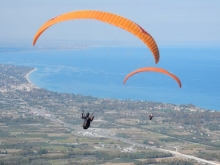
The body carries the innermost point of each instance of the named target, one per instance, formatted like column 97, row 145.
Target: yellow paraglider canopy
column 110, row 18
column 153, row 69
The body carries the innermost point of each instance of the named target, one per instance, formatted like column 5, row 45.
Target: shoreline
column 28, row 74
column 34, row 86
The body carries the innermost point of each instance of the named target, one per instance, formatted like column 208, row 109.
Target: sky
column 170, row 22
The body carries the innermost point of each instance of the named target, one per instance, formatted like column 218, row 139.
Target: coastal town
column 49, row 124
column 20, row 81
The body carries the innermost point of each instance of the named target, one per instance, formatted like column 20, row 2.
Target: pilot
column 87, row 120
column 151, row 116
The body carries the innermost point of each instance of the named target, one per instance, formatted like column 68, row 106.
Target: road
column 100, row 133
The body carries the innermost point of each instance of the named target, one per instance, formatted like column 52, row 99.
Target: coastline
column 28, row 74
column 32, row 85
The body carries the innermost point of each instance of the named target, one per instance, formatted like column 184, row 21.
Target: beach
column 27, row 76
column 92, row 72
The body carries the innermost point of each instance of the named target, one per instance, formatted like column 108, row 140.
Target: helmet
column 87, row 114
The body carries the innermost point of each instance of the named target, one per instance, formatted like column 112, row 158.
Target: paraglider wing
column 153, row 69
column 109, row 18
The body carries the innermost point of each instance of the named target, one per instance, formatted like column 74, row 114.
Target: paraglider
column 154, row 69
column 151, row 116
column 106, row 17
column 87, row 120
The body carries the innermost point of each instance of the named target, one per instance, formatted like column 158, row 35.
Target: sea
column 99, row 71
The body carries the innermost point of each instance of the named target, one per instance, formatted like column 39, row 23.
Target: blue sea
column 100, row 71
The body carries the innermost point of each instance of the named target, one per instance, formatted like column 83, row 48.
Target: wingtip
column 33, row 43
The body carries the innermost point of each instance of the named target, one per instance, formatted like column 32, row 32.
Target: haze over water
column 99, row 72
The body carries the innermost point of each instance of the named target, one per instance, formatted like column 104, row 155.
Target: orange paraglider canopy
column 153, row 69
column 109, row 18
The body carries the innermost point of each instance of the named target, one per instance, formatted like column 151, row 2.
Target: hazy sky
column 188, row 22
